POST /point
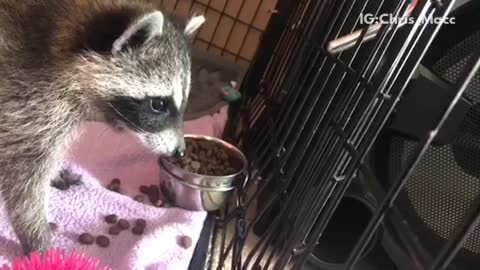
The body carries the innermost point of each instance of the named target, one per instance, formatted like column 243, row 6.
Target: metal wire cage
column 233, row 27
column 310, row 115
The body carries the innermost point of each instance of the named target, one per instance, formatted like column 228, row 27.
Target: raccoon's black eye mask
column 151, row 114
column 159, row 104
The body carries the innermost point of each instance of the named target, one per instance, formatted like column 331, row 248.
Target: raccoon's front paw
column 66, row 179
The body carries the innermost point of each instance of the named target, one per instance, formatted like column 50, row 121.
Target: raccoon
column 64, row 62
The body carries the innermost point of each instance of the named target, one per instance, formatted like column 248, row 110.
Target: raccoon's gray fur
column 63, row 62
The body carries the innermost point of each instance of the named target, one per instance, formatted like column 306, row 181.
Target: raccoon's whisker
column 126, row 119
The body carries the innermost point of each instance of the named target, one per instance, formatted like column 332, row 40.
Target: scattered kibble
column 111, row 219
column 60, row 185
column 138, row 230
column 140, row 222
column 186, row 242
column 123, row 224
column 116, row 182
column 144, row 190
column 102, row 241
column 70, row 177
column 86, row 239
column 115, row 185
column 114, row 230
column 53, row 226
column 153, row 193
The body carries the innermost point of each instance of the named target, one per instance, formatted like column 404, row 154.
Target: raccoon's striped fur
column 63, row 62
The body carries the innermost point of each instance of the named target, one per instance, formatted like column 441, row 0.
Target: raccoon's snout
column 180, row 154
column 181, row 150
column 168, row 143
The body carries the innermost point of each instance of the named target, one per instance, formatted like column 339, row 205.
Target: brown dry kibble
column 202, row 171
column 153, row 193
column 138, row 230
column 188, row 168
column 140, row 222
column 102, row 241
column 114, row 230
column 111, row 219
column 223, row 155
column 186, row 242
column 86, row 239
column 195, row 165
column 143, row 189
column 123, row 224
column 186, row 161
column 139, row 226
column 53, row 226
column 193, row 144
column 206, row 158
column 114, row 185
column 115, row 182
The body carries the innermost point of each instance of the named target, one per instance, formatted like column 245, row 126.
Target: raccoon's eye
column 159, row 105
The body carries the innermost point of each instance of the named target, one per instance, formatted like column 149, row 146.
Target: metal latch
column 348, row 41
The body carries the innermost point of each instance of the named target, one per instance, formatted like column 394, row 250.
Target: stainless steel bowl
column 199, row 192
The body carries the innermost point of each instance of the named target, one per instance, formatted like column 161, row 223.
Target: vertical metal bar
column 295, row 139
column 306, row 40
column 358, row 135
column 291, row 50
column 369, row 147
column 294, row 95
column 405, row 175
column 265, row 240
column 264, row 60
column 280, row 266
column 223, row 236
column 325, row 169
column 263, row 57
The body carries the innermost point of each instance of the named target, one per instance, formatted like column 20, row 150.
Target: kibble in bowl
column 205, row 176
column 208, row 157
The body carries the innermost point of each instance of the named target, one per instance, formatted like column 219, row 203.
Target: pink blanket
column 101, row 155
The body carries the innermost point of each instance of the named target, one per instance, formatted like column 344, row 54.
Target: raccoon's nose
column 180, row 153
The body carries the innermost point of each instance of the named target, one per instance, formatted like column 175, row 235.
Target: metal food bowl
column 199, row 192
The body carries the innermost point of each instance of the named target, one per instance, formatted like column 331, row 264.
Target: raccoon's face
column 142, row 82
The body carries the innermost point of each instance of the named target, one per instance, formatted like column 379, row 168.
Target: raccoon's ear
column 140, row 32
column 193, row 24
